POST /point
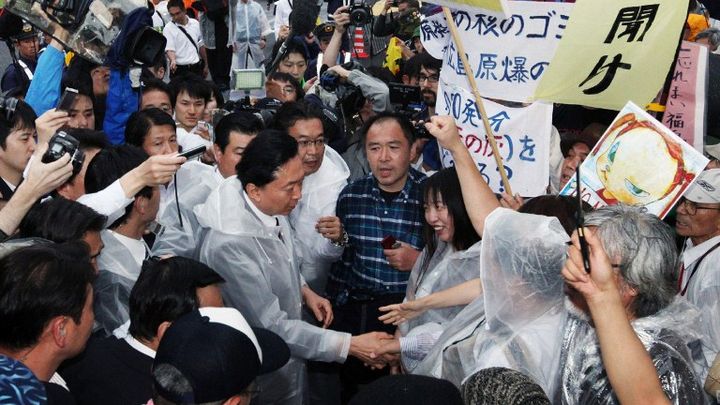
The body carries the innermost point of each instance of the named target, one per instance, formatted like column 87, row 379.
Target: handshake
column 376, row 349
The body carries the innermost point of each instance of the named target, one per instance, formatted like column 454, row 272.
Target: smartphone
column 67, row 99
column 389, row 242
column 191, row 153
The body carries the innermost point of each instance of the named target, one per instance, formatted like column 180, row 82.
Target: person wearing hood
column 248, row 239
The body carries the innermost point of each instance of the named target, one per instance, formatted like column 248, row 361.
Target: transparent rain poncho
column 262, row 280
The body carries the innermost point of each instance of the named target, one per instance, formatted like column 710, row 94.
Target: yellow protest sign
column 493, row 5
column 613, row 51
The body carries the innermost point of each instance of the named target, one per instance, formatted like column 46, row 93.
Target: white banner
column 508, row 54
column 522, row 136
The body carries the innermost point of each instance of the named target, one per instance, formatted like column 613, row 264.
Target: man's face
column 94, row 241
column 428, row 81
column 280, row 90
column 156, row 99
column 81, row 113
column 209, row 296
column 403, row 5
column 152, row 205
column 389, row 155
column 28, row 47
column 100, row 79
column 311, row 146
column 177, row 14
column 19, row 146
column 281, row 195
column 323, row 43
column 295, row 65
column 704, row 224
column 576, row 155
column 160, row 140
column 188, row 110
column 76, row 188
column 79, row 333
column 228, row 159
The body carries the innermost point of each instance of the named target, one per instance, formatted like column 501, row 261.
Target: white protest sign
column 638, row 161
column 508, row 54
column 522, row 136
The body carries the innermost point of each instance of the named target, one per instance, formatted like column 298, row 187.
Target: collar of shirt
column 10, row 185
column 266, row 219
column 414, row 177
column 135, row 344
column 137, row 247
column 692, row 253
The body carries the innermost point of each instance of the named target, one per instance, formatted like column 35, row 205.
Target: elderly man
column 698, row 220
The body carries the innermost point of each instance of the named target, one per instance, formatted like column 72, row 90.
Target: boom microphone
column 302, row 22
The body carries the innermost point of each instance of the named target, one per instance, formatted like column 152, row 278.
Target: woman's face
column 437, row 215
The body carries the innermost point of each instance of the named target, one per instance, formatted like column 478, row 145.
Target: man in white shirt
column 124, row 247
column 189, row 97
column 698, row 219
column 185, row 47
column 16, row 146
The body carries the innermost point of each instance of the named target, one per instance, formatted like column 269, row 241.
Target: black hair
column 562, row 207
column 405, row 125
column 23, row 118
column 290, row 113
column 297, row 45
column 89, row 138
column 243, row 122
column 445, row 185
column 263, row 157
column 110, row 165
column 147, row 74
column 176, row 3
column 382, row 73
column 140, row 122
column 39, row 283
column 216, row 93
column 424, row 60
column 153, row 84
column 192, row 84
column 166, row 290
column 60, row 220
column 287, row 77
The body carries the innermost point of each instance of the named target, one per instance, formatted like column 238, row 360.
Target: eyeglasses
column 431, row 78
column 692, row 207
column 317, row 143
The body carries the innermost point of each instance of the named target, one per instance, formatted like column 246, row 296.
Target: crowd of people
column 314, row 250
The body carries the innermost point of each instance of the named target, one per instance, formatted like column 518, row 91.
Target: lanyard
column 683, row 290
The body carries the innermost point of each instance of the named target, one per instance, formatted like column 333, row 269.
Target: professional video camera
column 408, row 101
column 90, row 27
column 360, row 13
column 245, row 81
column 349, row 96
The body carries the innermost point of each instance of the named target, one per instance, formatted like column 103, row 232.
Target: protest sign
column 638, row 161
column 685, row 107
column 613, row 51
column 472, row 5
column 508, row 55
column 522, row 136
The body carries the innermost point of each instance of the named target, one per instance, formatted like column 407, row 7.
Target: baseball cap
column 713, row 150
column 217, row 353
column 706, row 188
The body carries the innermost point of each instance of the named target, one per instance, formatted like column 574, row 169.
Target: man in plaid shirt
column 387, row 202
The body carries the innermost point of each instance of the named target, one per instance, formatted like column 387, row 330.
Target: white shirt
column 178, row 42
column 283, row 8
column 135, row 344
column 137, row 247
column 190, row 140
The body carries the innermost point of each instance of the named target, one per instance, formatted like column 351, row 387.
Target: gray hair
column 645, row 248
column 712, row 34
column 173, row 380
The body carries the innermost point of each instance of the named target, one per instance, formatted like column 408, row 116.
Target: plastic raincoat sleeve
column 111, row 304
column 373, row 89
column 250, row 292
column 44, row 90
column 122, row 101
column 709, row 305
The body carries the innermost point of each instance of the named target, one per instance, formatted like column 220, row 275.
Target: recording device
column 302, row 22
column 581, row 223
column 360, row 13
column 408, row 101
column 389, row 242
column 62, row 143
column 194, row 152
column 67, row 99
column 246, row 81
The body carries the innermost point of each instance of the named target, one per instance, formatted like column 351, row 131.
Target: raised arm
column 342, row 19
column 480, row 200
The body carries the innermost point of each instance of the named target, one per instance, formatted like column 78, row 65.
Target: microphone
column 302, row 22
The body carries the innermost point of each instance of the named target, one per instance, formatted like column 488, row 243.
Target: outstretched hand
column 402, row 312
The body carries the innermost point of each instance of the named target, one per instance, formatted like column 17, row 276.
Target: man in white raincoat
column 249, row 241
column 249, row 27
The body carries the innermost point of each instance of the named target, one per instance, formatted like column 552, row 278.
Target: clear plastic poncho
column 262, row 281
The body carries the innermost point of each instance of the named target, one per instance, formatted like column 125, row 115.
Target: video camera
column 408, row 101
column 246, row 81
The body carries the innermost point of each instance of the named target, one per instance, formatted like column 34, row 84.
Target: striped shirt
column 368, row 219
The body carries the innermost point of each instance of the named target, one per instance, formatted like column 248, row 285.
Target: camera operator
column 401, row 24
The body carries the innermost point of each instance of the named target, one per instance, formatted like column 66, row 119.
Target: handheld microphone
column 302, row 22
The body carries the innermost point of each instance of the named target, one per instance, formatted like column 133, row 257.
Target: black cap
column 324, row 30
column 402, row 389
column 27, row 31
column 218, row 353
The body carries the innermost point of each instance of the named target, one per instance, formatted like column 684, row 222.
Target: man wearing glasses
column 428, row 78
column 698, row 220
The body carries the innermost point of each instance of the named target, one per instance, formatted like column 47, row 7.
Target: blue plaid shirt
column 368, row 219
